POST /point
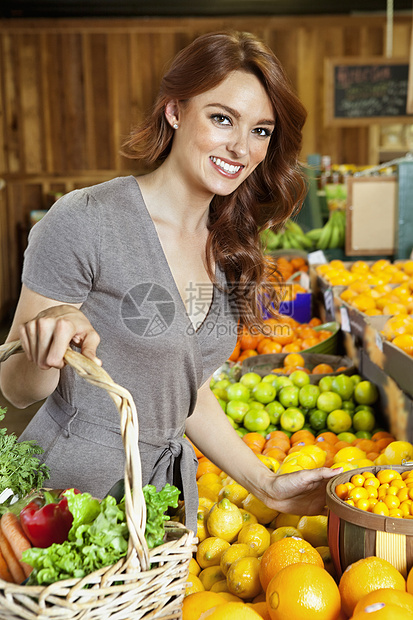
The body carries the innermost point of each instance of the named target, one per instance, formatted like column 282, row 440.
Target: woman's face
column 223, row 134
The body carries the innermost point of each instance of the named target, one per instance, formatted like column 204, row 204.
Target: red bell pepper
column 46, row 523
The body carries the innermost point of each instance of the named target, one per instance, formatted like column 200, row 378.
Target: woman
column 157, row 270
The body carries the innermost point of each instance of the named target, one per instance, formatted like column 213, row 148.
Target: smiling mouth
column 228, row 168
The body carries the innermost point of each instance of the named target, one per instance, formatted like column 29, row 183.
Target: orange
column 386, row 595
column 383, row 611
column 364, row 576
column 246, row 354
column 275, row 453
column 261, row 609
column 236, row 352
column 254, row 438
column 363, row 302
column 409, row 582
column 292, row 347
column 269, row 347
column 285, row 552
column 404, row 342
column 230, row 611
column 327, row 436
column 322, row 369
column 302, row 435
column 205, row 466
column 248, row 340
column 381, row 435
column 303, row 592
column 195, row 604
column 294, row 359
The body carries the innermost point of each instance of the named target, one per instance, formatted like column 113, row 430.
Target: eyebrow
column 237, row 114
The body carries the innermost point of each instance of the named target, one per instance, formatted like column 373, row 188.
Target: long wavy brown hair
column 273, row 191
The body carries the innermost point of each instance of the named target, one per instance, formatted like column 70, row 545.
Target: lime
column 308, row 395
column 283, row 382
column 343, row 386
column 329, row 401
column 325, row 384
column 254, row 404
column 318, row 419
column 348, row 405
column 364, row 408
column 220, row 393
column 365, row 393
column 256, row 420
column 346, row 436
column 271, row 379
column 232, row 422
column 250, row 379
column 288, row 396
column 364, row 420
column 338, row 421
column 292, row 420
column 355, row 379
column 271, row 428
column 241, row 431
column 264, row 392
column 222, row 403
column 222, row 383
column 363, row 435
column 236, row 409
column 300, row 378
column 237, row 391
column 274, row 409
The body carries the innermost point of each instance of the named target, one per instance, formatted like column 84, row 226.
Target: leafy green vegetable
column 99, row 535
column 157, row 502
column 20, row 469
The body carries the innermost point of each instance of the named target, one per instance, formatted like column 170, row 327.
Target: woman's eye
column 265, row 133
column 221, row 119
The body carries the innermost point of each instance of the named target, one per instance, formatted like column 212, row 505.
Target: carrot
column 13, row 532
column 11, row 560
column 5, row 573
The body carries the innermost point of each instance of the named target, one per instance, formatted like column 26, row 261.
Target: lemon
column 285, row 518
column 225, row 520
column 314, row 530
column 211, row 575
column 243, row 578
column 289, row 467
column 397, row 451
column 201, row 527
column 254, row 505
column 339, row 421
column 284, row 531
column 350, row 453
column 209, row 492
column 248, row 517
column 205, row 502
column 234, row 492
column 256, row 536
column 194, row 567
column 210, row 550
column 344, row 465
column 233, row 553
column 270, row 462
column 209, row 479
column 318, row 455
column 220, row 586
column 193, row 584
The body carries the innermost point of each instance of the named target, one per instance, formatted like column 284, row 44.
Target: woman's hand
column 302, row 492
column 46, row 338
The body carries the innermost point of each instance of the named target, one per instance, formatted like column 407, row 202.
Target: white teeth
column 227, row 167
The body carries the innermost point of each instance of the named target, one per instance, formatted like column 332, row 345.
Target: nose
column 238, row 145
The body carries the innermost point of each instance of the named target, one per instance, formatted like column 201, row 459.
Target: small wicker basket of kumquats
column 138, row 578
column 371, row 514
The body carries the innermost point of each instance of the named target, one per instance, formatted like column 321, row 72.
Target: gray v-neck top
column 98, row 246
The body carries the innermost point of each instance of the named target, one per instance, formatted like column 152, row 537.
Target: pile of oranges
column 388, row 493
column 288, row 266
column 284, row 335
column 295, row 361
column 379, row 273
column 399, row 331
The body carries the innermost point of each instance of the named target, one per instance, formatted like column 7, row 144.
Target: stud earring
column 175, row 125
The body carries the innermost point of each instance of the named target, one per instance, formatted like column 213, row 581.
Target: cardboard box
column 399, row 366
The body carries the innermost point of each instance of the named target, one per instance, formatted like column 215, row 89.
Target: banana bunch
column 332, row 234
column 292, row 237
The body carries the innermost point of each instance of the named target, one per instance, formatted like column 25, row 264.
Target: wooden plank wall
column 70, row 90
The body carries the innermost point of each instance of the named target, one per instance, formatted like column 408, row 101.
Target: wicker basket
column 354, row 534
column 146, row 583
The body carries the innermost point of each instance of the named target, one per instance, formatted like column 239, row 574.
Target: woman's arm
column 297, row 493
column 46, row 328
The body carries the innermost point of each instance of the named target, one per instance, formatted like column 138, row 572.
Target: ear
column 172, row 112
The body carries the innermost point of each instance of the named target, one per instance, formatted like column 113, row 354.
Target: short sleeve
column 62, row 257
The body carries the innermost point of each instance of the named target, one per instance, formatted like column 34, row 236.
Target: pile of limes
column 340, row 404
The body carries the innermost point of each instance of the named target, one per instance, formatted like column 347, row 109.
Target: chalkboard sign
column 361, row 91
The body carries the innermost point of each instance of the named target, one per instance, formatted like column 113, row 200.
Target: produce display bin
column 264, row 364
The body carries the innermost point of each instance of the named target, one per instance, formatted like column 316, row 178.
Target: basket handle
column 134, row 500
